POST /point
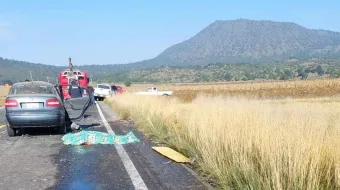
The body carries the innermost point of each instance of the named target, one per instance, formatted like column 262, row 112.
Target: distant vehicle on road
column 102, row 91
column 120, row 89
column 34, row 104
column 117, row 89
column 154, row 91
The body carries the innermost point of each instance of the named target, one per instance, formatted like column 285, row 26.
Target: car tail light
column 53, row 102
column 11, row 103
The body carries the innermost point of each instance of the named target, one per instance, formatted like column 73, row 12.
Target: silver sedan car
column 34, row 104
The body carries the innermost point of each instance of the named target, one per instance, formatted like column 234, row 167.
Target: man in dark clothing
column 74, row 90
column 114, row 89
column 91, row 92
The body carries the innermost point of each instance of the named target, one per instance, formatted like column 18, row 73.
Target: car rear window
column 104, row 86
column 31, row 89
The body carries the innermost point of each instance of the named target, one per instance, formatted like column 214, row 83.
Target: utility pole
column 70, row 65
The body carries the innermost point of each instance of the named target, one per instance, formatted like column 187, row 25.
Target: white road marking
column 136, row 179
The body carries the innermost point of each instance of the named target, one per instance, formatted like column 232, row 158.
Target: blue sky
column 109, row 32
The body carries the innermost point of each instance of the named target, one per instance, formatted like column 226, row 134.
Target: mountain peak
column 245, row 40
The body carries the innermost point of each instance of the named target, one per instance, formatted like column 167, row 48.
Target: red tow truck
column 68, row 74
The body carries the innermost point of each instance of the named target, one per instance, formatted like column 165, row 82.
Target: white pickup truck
column 154, row 91
column 102, row 91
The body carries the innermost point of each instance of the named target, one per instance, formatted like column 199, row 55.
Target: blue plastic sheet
column 95, row 137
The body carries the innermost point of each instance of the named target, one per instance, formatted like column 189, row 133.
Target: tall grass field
column 248, row 136
column 3, row 92
column 260, row 89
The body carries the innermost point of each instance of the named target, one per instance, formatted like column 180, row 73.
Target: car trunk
column 32, row 103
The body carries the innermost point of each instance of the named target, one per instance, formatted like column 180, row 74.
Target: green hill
column 242, row 40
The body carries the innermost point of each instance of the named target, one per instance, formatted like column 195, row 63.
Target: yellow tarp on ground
column 172, row 154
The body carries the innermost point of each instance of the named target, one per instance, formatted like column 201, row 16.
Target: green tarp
column 95, row 137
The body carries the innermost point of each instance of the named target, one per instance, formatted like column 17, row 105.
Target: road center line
column 1, row 126
column 136, row 179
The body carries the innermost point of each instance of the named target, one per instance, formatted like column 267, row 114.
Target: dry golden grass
column 3, row 92
column 278, row 89
column 249, row 143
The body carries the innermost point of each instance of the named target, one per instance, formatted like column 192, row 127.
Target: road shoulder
column 154, row 168
column 90, row 167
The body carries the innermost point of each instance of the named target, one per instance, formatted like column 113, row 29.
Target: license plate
column 32, row 105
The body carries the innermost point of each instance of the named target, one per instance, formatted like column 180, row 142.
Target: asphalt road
column 39, row 160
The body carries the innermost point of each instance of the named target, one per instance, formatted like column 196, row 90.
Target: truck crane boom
column 69, row 74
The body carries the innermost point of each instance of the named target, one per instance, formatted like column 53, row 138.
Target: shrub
column 127, row 83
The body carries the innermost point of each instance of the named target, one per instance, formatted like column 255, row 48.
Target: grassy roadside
column 246, row 143
column 263, row 90
column 3, row 92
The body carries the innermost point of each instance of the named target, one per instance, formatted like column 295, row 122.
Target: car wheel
column 63, row 128
column 68, row 126
column 10, row 131
column 19, row 131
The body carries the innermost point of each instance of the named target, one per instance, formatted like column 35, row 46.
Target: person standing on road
column 74, row 90
column 114, row 89
column 91, row 92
